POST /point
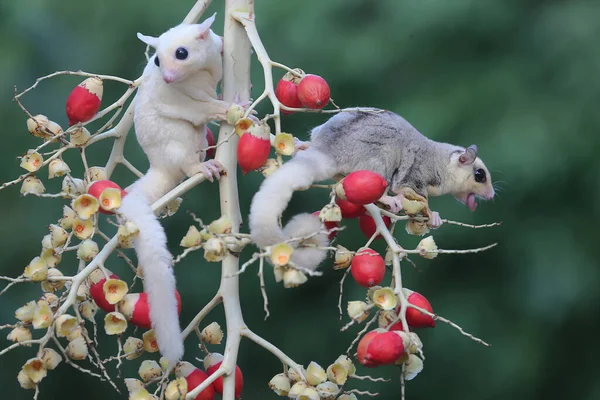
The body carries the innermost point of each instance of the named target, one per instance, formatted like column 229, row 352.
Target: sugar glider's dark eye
column 181, row 53
column 157, row 61
column 480, row 175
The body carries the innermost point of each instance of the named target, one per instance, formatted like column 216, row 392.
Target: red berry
column 361, row 349
column 384, row 348
column 195, row 378
column 366, row 223
column 415, row 318
column 329, row 225
column 96, row 282
column 350, row 210
column 313, row 91
column 287, row 93
column 363, row 187
column 136, row 309
column 97, row 187
column 368, row 268
column 252, row 152
column 210, row 138
column 218, row 383
column 84, row 101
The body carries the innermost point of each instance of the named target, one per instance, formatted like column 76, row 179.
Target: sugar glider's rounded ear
column 469, row 155
column 203, row 28
column 149, row 40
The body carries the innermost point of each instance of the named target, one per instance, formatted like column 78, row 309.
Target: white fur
column 173, row 105
column 273, row 197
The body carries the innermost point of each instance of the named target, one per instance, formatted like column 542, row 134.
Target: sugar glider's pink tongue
column 471, row 203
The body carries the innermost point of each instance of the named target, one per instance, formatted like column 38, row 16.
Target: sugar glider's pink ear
column 203, row 28
column 149, row 40
column 469, row 155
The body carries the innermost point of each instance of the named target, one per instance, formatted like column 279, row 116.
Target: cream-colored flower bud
column 293, row 278
column 205, row 235
column 412, row 207
column 294, row 375
column 309, row 394
column 281, row 254
column 150, row 343
column 51, row 299
column 77, row 332
column 32, row 185
column 346, row 362
column 280, row 384
column 417, row 228
column 88, row 249
column 51, row 257
column 126, row 233
column 212, row 334
column 284, row 144
column 278, row 273
column 110, row 199
column 348, row 396
column 327, row 390
column 331, row 213
column 42, row 127
column 25, row 313
column 53, row 284
column 176, row 389
column 389, row 256
column 427, row 248
column 149, row 369
column 77, row 349
column 74, row 186
column 115, row 323
column 337, row 373
column 85, row 205
column 95, row 174
column 50, row 358
column 57, row 168
column 371, row 291
column 88, row 309
column 133, row 347
column 24, row 381
column 413, row 366
column 32, row 161
column 386, row 318
column 234, row 113
column 80, row 136
column 164, row 363
column 242, row 126
column 270, row 166
column 36, row 270
column 69, row 215
column 192, row 238
column 173, row 206
column 414, row 344
column 82, row 292
column 214, row 249
column 133, row 384
column 19, row 334
column 221, row 225
column 82, row 228
column 58, row 236
column 142, row 394
column 385, row 298
column 210, row 360
column 47, row 242
column 343, row 257
column 315, row 374
column 358, row 310
column 35, row 370
column 65, row 324
column 297, row 389
column 114, row 290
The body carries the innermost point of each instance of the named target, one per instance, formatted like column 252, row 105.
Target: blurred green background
column 517, row 77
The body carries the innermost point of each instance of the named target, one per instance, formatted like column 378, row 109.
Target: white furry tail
column 273, row 197
column 155, row 260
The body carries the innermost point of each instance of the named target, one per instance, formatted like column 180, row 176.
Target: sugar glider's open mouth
column 470, row 200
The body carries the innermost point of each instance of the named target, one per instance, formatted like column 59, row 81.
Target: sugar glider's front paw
column 300, row 145
column 436, row 220
column 212, row 169
column 393, row 203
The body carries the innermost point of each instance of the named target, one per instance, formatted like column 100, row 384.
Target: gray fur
column 385, row 143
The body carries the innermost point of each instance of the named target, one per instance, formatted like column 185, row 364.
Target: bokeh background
column 517, row 77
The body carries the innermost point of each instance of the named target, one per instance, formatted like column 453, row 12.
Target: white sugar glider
column 176, row 99
column 376, row 140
